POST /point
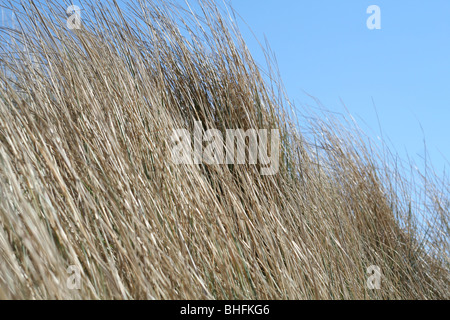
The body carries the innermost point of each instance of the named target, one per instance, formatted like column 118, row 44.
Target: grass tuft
column 86, row 177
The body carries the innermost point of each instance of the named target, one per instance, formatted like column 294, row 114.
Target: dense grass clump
column 86, row 177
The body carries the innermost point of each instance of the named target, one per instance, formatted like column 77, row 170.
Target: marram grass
column 86, row 179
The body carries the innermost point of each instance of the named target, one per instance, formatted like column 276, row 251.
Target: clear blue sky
column 324, row 48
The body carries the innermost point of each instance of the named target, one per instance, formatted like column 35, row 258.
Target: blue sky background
column 324, row 48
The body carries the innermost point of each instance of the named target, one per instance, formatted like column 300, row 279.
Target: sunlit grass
column 86, row 177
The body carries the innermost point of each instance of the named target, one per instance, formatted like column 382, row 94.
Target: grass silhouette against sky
column 86, row 180
column 395, row 79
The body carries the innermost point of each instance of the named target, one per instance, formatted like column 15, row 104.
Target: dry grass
column 86, row 178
